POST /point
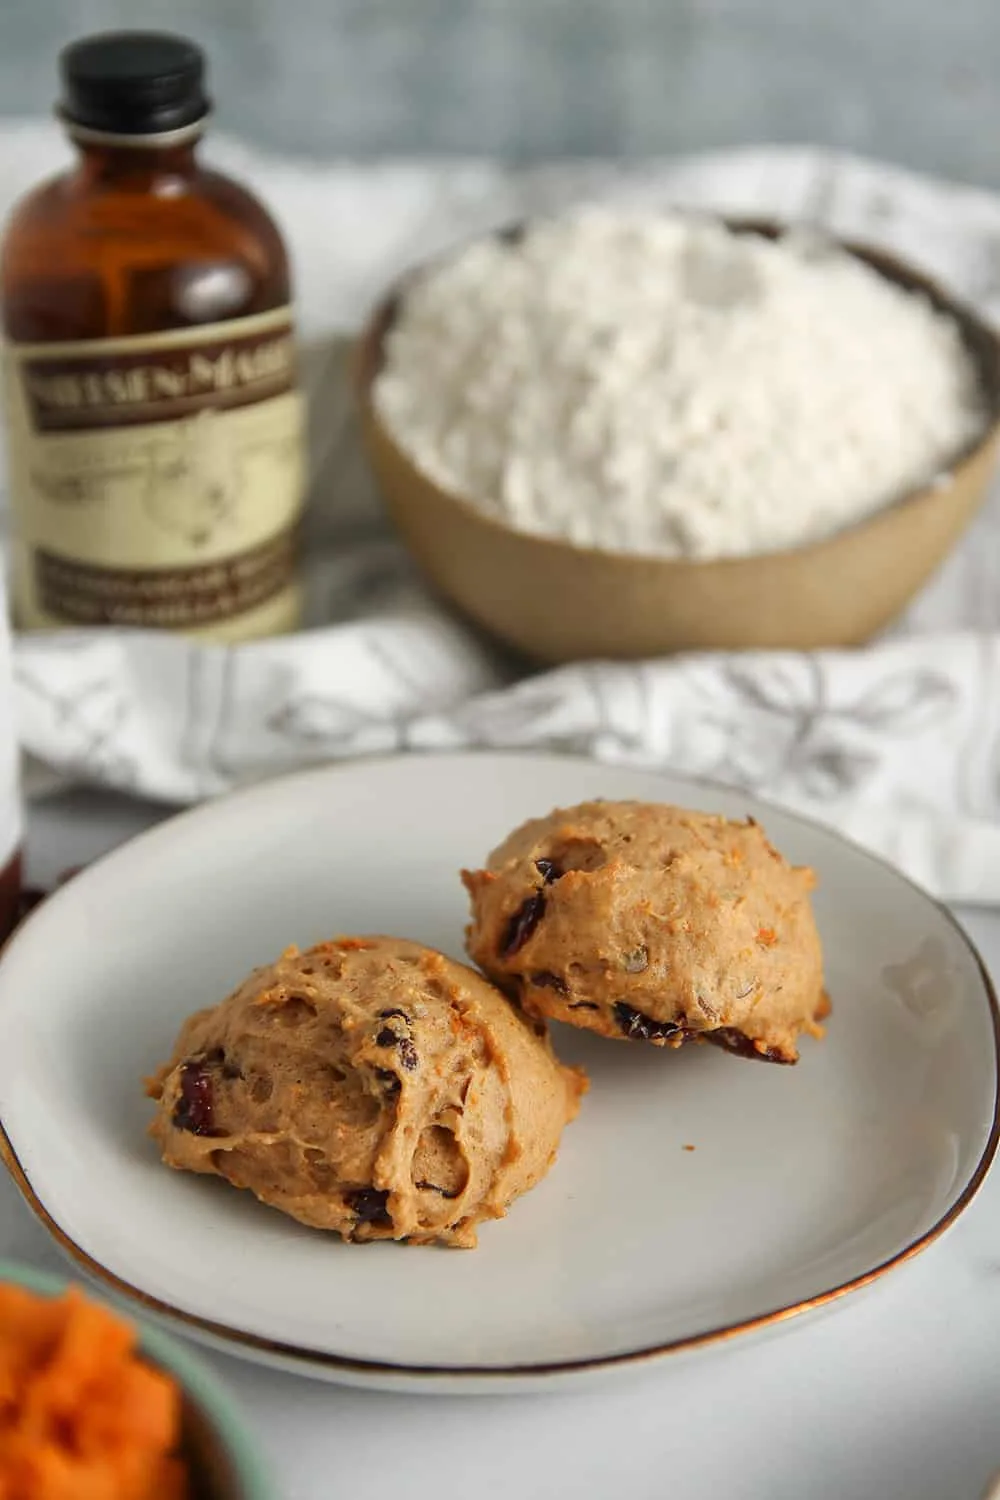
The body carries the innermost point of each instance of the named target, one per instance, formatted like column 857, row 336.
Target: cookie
column 651, row 923
column 369, row 1086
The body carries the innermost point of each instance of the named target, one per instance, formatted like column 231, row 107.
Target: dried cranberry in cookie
column 651, row 923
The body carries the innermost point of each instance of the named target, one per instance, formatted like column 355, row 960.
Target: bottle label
column 157, row 480
column 10, row 809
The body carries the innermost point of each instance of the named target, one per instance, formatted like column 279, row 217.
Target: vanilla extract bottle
column 154, row 423
column 10, row 804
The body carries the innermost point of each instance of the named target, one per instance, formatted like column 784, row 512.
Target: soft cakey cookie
column 369, row 1086
column 648, row 922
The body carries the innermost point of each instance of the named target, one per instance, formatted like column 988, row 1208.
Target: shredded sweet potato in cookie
column 82, row 1417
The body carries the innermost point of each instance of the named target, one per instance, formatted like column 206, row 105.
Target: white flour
column 650, row 383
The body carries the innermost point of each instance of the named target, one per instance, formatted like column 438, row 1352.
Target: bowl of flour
column 618, row 433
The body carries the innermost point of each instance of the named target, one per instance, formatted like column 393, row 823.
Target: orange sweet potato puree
column 81, row 1416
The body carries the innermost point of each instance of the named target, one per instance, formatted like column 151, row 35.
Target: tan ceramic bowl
column 559, row 602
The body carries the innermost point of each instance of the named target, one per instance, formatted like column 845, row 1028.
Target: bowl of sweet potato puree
column 93, row 1405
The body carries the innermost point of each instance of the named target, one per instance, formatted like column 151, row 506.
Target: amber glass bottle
column 10, row 812
column 154, row 425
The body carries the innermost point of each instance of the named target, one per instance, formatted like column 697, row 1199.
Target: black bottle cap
column 133, row 83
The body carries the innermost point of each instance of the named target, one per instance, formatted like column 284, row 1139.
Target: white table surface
column 895, row 1395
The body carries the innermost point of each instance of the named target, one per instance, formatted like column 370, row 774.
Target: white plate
column 804, row 1183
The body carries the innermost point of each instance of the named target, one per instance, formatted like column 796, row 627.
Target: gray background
column 917, row 81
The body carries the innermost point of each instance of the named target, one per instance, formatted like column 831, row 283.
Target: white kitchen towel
column 897, row 744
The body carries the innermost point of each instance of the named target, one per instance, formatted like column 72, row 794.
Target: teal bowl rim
column 197, row 1381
